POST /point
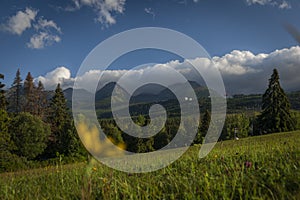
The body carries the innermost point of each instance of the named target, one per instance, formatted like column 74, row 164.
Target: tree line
column 275, row 116
column 34, row 127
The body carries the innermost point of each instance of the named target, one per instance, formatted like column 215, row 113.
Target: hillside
column 264, row 167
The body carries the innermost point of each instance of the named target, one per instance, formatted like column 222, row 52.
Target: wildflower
column 216, row 156
column 104, row 180
column 94, row 169
column 248, row 164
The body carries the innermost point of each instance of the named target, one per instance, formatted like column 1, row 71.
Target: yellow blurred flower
column 90, row 137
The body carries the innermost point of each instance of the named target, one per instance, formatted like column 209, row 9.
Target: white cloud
column 260, row 2
column 285, row 5
column 48, row 33
column 103, row 8
column 18, row 23
column 242, row 71
column 282, row 4
column 150, row 12
column 42, row 39
column 245, row 72
column 44, row 24
column 59, row 75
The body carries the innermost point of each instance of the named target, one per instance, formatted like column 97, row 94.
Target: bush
column 5, row 140
column 10, row 162
column 29, row 134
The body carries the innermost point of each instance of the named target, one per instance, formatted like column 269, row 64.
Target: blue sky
column 61, row 33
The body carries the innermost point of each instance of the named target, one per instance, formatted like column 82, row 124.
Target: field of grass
column 264, row 167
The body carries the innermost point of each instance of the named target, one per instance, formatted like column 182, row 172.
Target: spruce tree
column 275, row 115
column 203, row 128
column 41, row 101
column 29, row 90
column 15, row 99
column 2, row 94
column 205, row 122
column 63, row 139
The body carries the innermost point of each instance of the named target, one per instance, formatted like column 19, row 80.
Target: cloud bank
column 242, row 71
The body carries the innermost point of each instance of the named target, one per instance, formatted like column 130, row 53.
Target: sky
column 245, row 38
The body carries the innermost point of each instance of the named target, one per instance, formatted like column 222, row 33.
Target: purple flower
column 248, row 164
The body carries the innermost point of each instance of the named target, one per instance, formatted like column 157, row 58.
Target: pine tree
column 15, row 100
column 161, row 139
column 275, row 115
column 2, row 94
column 29, row 90
column 41, row 101
column 63, row 139
column 205, row 122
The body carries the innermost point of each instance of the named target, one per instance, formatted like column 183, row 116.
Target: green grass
column 265, row 167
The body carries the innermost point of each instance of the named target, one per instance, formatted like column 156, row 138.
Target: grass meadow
column 262, row 167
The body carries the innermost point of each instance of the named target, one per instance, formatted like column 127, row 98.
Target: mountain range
column 141, row 100
column 144, row 97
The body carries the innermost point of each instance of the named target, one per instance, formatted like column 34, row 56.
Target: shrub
column 29, row 134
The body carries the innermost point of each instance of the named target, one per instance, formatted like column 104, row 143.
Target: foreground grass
column 265, row 167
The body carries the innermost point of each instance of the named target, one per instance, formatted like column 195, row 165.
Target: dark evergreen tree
column 2, row 94
column 63, row 139
column 203, row 128
column 275, row 115
column 113, row 132
column 205, row 122
column 161, row 139
column 41, row 100
column 16, row 91
column 144, row 144
column 30, row 95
